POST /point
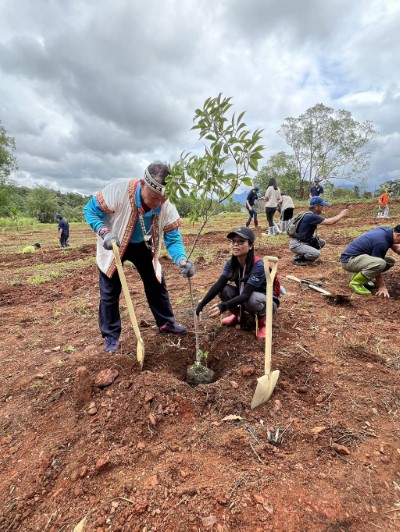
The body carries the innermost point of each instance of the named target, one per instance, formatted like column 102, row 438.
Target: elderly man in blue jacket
column 366, row 258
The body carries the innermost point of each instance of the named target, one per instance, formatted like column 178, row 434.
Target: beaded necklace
column 146, row 234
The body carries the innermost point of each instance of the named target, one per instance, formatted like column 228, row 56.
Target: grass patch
column 42, row 278
column 42, row 273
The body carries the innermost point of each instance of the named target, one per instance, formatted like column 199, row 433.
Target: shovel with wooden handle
column 267, row 383
column 129, row 304
column 335, row 299
column 310, row 284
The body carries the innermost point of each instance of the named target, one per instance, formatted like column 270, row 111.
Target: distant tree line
column 40, row 203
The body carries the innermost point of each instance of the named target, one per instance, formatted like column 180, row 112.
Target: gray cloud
column 92, row 92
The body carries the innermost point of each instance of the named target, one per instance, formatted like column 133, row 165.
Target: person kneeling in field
column 306, row 244
column 242, row 284
column 31, row 249
column 366, row 258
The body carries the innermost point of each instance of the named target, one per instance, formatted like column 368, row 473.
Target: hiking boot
column 357, row 284
column 247, row 224
column 299, row 260
column 111, row 345
column 173, row 328
column 256, row 223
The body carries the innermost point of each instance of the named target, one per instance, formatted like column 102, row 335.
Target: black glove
column 108, row 238
column 187, row 268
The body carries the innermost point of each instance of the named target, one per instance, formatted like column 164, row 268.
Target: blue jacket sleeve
column 94, row 215
column 174, row 244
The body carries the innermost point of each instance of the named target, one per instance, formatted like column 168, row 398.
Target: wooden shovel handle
column 270, row 276
column 125, row 291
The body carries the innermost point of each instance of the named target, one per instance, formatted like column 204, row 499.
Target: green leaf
column 253, row 164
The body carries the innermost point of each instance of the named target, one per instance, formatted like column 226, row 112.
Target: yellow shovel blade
column 140, row 352
column 265, row 388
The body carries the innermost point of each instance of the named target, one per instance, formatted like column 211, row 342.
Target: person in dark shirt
column 366, row 258
column 307, row 246
column 63, row 230
column 252, row 196
column 316, row 189
column 242, row 284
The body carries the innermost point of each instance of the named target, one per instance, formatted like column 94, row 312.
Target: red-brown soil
column 158, row 455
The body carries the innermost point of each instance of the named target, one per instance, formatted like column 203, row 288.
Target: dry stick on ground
column 258, row 456
column 305, row 350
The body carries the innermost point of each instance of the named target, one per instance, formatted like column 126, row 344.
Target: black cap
column 244, row 232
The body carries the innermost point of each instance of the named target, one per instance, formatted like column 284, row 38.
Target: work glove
column 187, row 268
column 108, row 238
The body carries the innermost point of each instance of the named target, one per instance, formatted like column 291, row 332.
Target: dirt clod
column 82, row 386
column 105, row 377
column 199, row 374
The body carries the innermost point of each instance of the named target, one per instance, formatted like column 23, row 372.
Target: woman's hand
column 214, row 311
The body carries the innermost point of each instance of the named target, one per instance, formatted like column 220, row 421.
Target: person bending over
column 138, row 216
column 366, row 258
column 307, row 245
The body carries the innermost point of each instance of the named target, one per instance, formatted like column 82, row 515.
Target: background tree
column 281, row 167
column 8, row 161
column 392, row 186
column 8, row 165
column 325, row 142
column 42, row 204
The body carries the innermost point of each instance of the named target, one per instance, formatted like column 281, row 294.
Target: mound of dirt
column 88, row 438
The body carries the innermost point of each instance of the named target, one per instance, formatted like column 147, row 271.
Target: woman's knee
column 256, row 302
column 228, row 292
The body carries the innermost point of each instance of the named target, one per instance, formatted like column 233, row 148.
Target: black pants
column 270, row 211
column 110, row 290
column 287, row 214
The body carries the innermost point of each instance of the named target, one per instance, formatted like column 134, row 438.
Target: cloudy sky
column 95, row 90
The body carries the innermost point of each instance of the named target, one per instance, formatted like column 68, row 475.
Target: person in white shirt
column 286, row 208
column 272, row 198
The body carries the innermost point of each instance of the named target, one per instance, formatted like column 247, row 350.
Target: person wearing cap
column 136, row 214
column 242, row 284
column 366, row 257
column 316, row 189
column 307, row 245
column 63, row 230
column 252, row 196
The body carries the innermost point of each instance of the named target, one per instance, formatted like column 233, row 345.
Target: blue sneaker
column 173, row 328
column 111, row 345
